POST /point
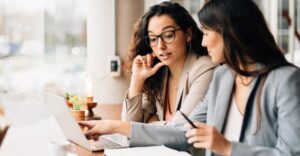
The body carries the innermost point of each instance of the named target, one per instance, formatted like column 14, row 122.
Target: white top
column 234, row 122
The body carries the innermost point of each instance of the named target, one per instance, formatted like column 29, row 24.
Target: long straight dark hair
column 247, row 38
column 138, row 46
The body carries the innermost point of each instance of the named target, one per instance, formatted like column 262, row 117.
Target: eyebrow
column 164, row 28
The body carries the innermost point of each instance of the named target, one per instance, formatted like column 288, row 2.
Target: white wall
column 109, row 90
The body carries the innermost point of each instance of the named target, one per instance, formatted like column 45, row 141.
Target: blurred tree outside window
column 40, row 39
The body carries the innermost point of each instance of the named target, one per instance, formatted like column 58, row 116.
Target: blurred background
column 57, row 45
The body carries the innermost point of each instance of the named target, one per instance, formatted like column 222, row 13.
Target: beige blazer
column 195, row 78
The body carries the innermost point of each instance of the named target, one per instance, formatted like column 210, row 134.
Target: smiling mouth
column 164, row 56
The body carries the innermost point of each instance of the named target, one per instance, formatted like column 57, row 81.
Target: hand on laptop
column 95, row 128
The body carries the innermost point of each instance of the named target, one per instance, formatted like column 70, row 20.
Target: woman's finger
column 191, row 133
column 157, row 67
column 197, row 138
column 201, row 144
column 95, row 137
column 87, row 124
column 149, row 60
column 90, row 134
column 139, row 59
column 200, row 124
column 144, row 61
column 153, row 54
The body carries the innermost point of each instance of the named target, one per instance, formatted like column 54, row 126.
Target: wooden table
column 33, row 139
column 83, row 152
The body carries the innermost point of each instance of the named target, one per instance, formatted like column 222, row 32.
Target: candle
column 89, row 99
column 89, row 91
column 89, row 88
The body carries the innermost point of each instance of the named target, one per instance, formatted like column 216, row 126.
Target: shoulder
column 223, row 70
column 285, row 74
column 285, row 70
column 202, row 65
column 204, row 61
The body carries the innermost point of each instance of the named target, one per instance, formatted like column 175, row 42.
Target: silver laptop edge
column 65, row 120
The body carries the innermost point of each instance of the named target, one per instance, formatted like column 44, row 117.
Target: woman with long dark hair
column 166, row 35
column 257, row 85
column 253, row 103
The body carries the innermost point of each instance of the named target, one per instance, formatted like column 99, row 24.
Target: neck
column 243, row 80
column 176, row 67
column 249, row 68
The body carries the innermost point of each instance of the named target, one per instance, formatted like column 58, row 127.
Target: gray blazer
column 279, row 132
column 196, row 75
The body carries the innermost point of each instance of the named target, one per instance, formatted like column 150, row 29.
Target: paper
column 145, row 151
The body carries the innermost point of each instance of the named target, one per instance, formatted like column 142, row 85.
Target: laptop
column 72, row 131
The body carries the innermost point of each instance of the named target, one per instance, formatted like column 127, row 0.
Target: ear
column 189, row 35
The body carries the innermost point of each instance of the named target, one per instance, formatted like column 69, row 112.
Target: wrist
column 122, row 127
column 136, row 86
column 137, row 78
column 228, row 148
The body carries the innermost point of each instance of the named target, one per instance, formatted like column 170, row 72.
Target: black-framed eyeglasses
column 166, row 37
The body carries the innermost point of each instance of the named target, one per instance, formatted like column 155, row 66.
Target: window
column 39, row 40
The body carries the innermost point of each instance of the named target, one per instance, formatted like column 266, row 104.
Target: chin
column 217, row 61
column 167, row 63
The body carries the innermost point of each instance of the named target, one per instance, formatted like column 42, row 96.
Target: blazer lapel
column 223, row 100
column 160, row 111
column 189, row 62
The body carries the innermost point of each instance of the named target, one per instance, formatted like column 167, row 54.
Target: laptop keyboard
column 104, row 143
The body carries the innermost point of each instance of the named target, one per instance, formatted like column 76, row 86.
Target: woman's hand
column 208, row 137
column 95, row 128
column 142, row 68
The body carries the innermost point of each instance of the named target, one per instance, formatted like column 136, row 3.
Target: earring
column 189, row 46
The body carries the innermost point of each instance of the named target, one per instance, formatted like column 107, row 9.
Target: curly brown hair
column 138, row 46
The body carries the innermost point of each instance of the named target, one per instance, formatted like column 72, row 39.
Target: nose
column 160, row 43
column 203, row 42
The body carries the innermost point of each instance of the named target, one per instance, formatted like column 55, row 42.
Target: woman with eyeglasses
column 252, row 107
column 170, row 69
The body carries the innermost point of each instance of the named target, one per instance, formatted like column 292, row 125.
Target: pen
column 188, row 119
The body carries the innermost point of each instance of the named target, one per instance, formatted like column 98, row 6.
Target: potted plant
column 78, row 108
column 67, row 97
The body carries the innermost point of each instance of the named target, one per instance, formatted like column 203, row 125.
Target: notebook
column 72, row 131
column 145, row 151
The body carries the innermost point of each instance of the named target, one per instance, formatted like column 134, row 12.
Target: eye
column 168, row 35
column 152, row 38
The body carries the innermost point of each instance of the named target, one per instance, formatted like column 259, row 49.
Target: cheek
column 179, row 46
column 179, row 42
column 154, row 50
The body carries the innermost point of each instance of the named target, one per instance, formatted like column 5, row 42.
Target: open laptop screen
column 69, row 126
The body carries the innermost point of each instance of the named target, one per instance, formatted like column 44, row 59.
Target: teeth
column 163, row 54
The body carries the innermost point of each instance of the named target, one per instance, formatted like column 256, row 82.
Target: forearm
column 122, row 127
column 151, row 135
column 137, row 108
column 136, row 85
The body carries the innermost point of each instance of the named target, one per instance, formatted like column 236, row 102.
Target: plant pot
column 79, row 115
column 70, row 105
